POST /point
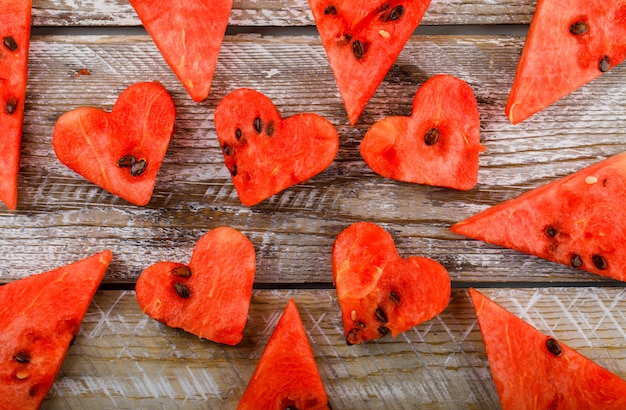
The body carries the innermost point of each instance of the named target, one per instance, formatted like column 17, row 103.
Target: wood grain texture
column 292, row 231
column 123, row 359
column 278, row 13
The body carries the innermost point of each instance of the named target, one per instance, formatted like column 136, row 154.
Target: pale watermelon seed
column 553, row 346
column 10, row 43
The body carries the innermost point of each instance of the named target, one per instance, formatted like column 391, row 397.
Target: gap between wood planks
column 441, row 30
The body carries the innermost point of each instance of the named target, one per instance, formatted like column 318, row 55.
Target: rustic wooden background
column 85, row 52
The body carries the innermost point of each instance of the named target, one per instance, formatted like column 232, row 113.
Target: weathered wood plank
column 64, row 217
column 275, row 13
column 123, row 359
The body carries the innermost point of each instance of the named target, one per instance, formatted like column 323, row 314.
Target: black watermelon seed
column 576, row 261
column 182, row 290
column 380, row 315
column 605, row 64
column 126, row 161
column 269, row 129
column 553, row 346
column 138, row 167
column 599, row 262
column 10, row 43
column 182, row 271
column 395, row 296
column 431, row 137
column 11, row 106
column 227, row 150
column 358, row 49
column 551, row 231
column 22, row 357
column 383, row 330
column 258, row 125
column 579, row 27
column 330, row 11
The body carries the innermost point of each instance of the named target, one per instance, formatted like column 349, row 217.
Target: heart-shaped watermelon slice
column 39, row 317
column 209, row 297
column 380, row 292
column 286, row 376
column 265, row 153
column 569, row 43
column 189, row 35
column 534, row 371
column 120, row 151
column 438, row 144
column 15, row 34
column 362, row 40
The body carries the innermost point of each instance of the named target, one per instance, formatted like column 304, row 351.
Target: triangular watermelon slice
column 189, row 35
column 286, row 376
column 39, row 317
column 15, row 19
column 578, row 220
column 535, row 371
column 362, row 40
column 569, row 43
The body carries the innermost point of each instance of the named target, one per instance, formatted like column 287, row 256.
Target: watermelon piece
column 189, row 35
column 437, row 145
column 120, row 151
column 15, row 19
column 286, row 376
column 535, row 371
column 265, row 153
column 569, row 43
column 210, row 297
column 380, row 292
column 578, row 220
column 39, row 317
column 362, row 41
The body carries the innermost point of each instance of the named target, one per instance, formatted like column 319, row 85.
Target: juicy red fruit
column 266, row 153
column 362, row 41
column 210, row 296
column 379, row 291
column 439, row 144
column 121, row 151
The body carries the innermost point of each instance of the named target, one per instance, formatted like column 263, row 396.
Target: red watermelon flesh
column 15, row 33
column 39, row 317
column 209, row 297
column 437, row 145
column 578, row 220
column 120, row 151
column 266, row 153
column 189, row 35
column 362, row 41
column 535, row 371
column 569, row 43
column 380, row 292
column 286, row 376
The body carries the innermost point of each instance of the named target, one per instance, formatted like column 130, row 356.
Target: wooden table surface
column 122, row 359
